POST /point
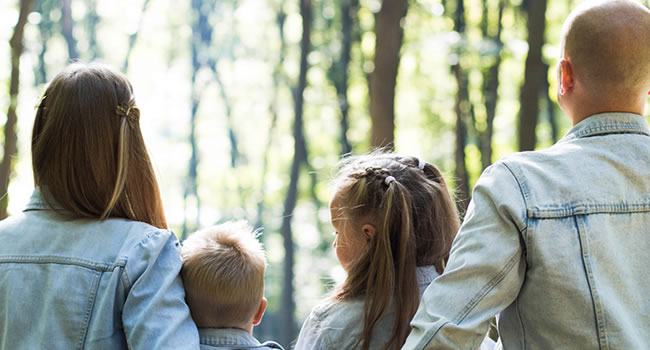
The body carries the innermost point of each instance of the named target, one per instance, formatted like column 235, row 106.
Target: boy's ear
column 260, row 312
column 567, row 77
column 368, row 231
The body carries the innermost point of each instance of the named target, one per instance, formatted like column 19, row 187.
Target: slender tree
column 464, row 112
column 201, row 38
column 288, row 303
column 10, row 146
column 339, row 71
column 134, row 36
column 533, row 77
column 68, row 30
column 92, row 20
column 388, row 42
column 491, row 83
column 550, row 106
column 279, row 79
column 44, row 7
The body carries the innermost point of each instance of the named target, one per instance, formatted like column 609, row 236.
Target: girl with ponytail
column 395, row 222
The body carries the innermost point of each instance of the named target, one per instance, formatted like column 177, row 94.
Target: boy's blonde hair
column 223, row 273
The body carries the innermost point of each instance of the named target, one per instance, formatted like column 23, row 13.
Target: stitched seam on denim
column 486, row 289
column 126, row 281
column 422, row 346
column 524, row 195
column 89, row 309
column 584, row 209
column 60, row 260
column 521, row 324
column 586, row 263
column 612, row 127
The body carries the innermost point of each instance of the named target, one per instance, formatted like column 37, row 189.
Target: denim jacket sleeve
column 155, row 315
column 485, row 270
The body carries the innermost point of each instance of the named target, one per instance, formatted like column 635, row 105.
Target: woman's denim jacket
column 557, row 242
column 89, row 284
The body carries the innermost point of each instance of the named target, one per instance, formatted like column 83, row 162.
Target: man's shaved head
column 608, row 45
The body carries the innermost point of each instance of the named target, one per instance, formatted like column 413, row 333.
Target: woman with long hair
column 90, row 263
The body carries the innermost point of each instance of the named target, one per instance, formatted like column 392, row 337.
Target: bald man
column 557, row 242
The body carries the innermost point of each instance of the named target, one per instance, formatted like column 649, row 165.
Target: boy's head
column 223, row 274
column 606, row 57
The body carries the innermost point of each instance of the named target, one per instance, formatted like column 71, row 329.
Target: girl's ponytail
column 415, row 221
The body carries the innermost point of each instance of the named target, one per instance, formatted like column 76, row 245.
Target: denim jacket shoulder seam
column 433, row 334
column 89, row 310
column 63, row 260
column 486, row 289
column 524, row 196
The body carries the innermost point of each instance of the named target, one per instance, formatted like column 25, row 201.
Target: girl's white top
column 338, row 324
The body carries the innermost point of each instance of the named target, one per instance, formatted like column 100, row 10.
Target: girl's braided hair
column 416, row 221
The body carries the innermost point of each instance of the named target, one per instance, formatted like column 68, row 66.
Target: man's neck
column 584, row 109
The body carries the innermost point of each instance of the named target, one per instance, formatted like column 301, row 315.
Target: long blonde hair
column 88, row 153
column 416, row 221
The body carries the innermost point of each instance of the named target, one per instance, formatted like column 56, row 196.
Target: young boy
column 223, row 274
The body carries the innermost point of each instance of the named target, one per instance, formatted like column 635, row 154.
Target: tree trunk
column 550, row 106
column 93, row 20
column 349, row 9
column 491, row 88
column 232, row 137
column 134, row 36
column 16, row 45
column 463, row 109
column 388, row 42
column 201, row 34
column 273, row 109
column 533, row 76
column 288, row 306
column 44, row 7
column 68, row 32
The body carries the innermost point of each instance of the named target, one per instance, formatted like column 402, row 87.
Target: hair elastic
column 421, row 164
column 389, row 179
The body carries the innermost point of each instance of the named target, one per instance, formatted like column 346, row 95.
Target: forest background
column 247, row 105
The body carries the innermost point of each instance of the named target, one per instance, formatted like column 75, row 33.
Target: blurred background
column 247, row 105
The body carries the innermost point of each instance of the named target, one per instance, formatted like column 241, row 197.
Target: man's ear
column 260, row 312
column 368, row 231
column 567, row 77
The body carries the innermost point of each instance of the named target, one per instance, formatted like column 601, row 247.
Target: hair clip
column 388, row 180
column 421, row 164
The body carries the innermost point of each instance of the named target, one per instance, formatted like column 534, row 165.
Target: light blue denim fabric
column 232, row 339
column 557, row 242
column 337, row 325
column 89, row 284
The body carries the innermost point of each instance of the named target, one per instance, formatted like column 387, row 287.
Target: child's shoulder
column 337, row 324
column 334, row 313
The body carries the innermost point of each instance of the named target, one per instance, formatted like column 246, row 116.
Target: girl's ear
column 368, row 231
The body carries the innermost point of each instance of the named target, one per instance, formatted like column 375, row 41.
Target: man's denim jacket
column 557, row 242
column 89, row 284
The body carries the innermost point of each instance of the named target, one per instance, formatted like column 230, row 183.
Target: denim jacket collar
column 608, row 123
column 37, row 202
column 426, row 274
column 227, row 337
